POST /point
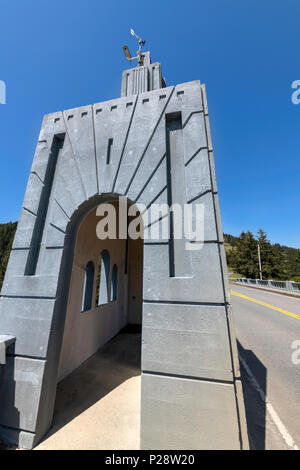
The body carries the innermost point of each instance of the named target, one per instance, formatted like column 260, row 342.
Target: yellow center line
column 290, row 314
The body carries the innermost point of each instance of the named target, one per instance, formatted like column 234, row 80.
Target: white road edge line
column 274, row 416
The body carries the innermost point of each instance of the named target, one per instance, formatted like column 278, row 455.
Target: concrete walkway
column 98, row 405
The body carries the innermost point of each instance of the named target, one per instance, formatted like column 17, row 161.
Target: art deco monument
column 152, row 145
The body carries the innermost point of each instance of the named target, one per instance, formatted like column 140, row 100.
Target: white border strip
column 274, row 416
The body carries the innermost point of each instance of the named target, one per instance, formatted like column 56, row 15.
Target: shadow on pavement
column 113, row 364
column 255, row 407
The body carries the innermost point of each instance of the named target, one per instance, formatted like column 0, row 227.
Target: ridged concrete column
column 191, row 390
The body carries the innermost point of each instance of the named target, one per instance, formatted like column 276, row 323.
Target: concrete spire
column 142, row 78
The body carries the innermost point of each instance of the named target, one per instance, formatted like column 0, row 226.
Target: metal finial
column 139, row 55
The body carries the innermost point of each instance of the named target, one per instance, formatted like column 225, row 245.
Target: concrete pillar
column 191, row 384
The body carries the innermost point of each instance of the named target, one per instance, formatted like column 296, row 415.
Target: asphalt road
column 265, row 337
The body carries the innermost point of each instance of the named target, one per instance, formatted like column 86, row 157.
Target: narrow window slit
column 109, row 146
column 102, row 292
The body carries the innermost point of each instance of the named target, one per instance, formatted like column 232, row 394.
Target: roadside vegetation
column 278, row 262
column 7, row 233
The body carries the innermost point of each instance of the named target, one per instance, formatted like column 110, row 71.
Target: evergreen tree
column 271, row 260
column 245, row 256
column 278, row 262
column 7, row 233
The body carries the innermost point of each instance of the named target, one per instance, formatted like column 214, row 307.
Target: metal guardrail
column 288, row 286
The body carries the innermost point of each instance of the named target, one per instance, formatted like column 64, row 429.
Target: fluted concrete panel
column 112, row 125
column 155, row 185
column 68, row 169
column 143, row 127
column 152, row 145
column 198, row 175
column 25, row 229
column 33, row 193
column 80, row 128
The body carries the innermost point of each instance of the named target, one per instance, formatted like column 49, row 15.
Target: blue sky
column 56, row 55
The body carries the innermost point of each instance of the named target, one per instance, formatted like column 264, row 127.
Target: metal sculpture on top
column 139, row 56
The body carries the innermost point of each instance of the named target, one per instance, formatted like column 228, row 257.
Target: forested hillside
column 278, row 262
column 7, row 233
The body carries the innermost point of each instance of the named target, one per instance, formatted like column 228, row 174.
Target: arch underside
column 124, row 147
column 114, row 296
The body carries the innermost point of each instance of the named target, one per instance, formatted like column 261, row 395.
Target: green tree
column 278, row 262
column 244, row 258
column 271, row 259
column 7, row 233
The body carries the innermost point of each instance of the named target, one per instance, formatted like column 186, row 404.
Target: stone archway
column 99, row 369
column 153, row 147
column 121, row 271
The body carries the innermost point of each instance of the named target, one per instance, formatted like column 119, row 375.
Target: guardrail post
column 289, row 285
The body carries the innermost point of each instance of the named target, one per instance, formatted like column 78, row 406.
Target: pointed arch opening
column 114, row 283
column 106, row 341
column 87, row 298
column 107, row 281
column 102, row 292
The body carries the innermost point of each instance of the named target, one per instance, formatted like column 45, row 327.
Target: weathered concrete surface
column 141, row 79
column 179, row 424
column 5, row 342
column 98, row 405
column 88, row 155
